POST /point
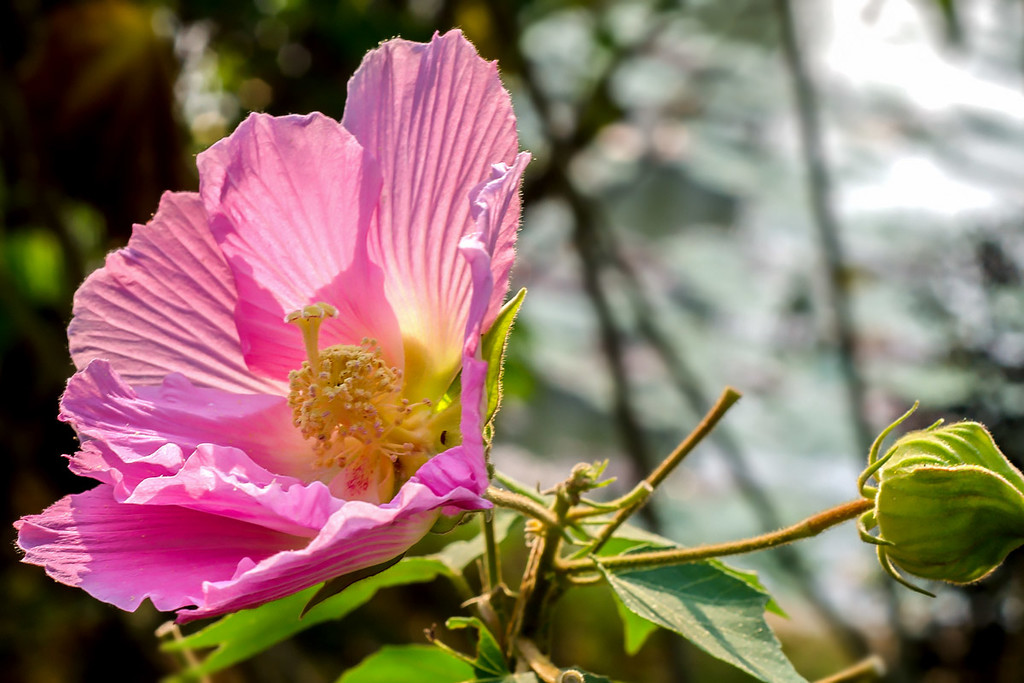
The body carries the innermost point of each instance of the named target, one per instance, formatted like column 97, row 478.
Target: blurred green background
column 818, row 202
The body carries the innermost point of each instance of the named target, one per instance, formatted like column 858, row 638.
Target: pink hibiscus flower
column 264, row 371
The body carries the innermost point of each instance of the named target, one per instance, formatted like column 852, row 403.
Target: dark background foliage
column 720, row 194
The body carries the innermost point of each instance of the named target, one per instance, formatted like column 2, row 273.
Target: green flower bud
column 949, row 505
column 955, row 524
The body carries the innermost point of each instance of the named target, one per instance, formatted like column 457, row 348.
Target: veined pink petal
column 123, row 554
column 468, row 464
column 290, row 201
column 226, row 482
column 124, row 471
column 491, row 201
column 495, row 203
column 99, row 405
column 164, row 304
column 436, row 117
column 177, row 556
column 357, row 536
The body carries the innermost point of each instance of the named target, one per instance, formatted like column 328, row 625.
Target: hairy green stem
column 636, row 496
column 812, row 526
column 728, row 397
column 516, row 487
column 528, row 651
column 864, row 671
column 187, row 655
column 522, row 504
column 492, row 576
column 537, row 588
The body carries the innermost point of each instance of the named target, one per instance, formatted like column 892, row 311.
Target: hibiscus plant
column 288, row 379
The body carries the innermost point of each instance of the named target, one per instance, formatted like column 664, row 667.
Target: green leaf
column 35, row 261
column 394, row 663
column 754, row 581
column 633, row 538
column 492, row 350
column 340, row 583
column 636, row 630
column 244, row 634
column 489, row 660
column 458, row 555
column 636, row 536
column 717, row 612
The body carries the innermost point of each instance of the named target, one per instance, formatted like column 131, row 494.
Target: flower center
column 350, row 403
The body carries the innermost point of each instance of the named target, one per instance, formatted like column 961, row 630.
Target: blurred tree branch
column 598, row 249
column 819, row 188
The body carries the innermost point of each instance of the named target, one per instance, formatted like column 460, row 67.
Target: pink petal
column 127, row 430
column 466, row 466
column 460, row 473
column 495, row 204
column 290, row 201
column 357, row 536
column 164, row 304
column 122, row 554
column 226, row 482
column 436, row 117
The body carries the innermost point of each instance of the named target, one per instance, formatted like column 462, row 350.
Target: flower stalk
column 637, row 496
column 521, row 504
column 725, row 401
column 812, row 526
column 538, row 589
column 867, row 670
column 492, row 573
column 528, row 651
column 516, row 487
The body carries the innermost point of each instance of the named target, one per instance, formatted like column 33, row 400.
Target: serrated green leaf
column 719, row 613
column 244, row 634
column 489, row 661
column 492, row 350
column 394, row 663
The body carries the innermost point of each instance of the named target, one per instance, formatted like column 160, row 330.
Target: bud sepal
column 948, row 504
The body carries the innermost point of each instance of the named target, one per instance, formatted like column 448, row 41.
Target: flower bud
column 956, row 524
column 948, row 506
